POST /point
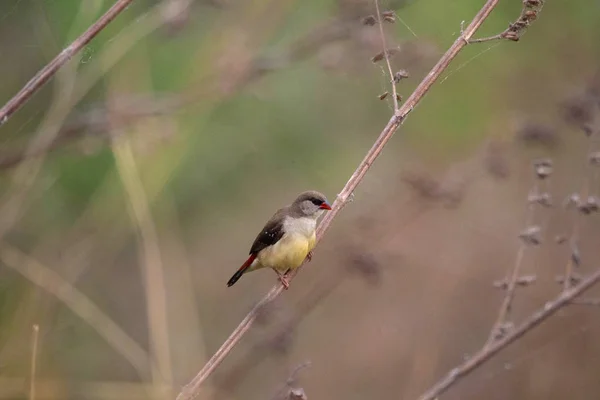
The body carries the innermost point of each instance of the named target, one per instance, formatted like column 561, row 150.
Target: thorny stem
column 46, row 73
column 192, row 389
column 386, row 55
column 487, row 352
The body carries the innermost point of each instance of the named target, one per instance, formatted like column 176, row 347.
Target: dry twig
column 34, row 352
column 78, row 303
column 529, row 13
column 529, row 236
column 46, row 73
column 191, row 390
column 386, row 55
column 487, row 352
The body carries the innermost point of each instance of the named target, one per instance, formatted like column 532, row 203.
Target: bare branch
column 529, row 13
column 191, row 390
column 488, row 352
column 34, row 352
column 386, row 55
column 46, row 73
column 530, row 236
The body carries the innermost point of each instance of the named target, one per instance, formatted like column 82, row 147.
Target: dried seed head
column 543, row 199
column 543, row 168
column 398, row 97
column 595, row 158
column 572, row 201
column 532, row 3
column 388, row 13
column 381, row 55
column 369, row 20
column 589, row 206
column 526, row 280
column 531, row 235
column 530, row 15
column 297, row 394
column 402, row 74
column 389, row 18
column 378, row 57
column 383, row 95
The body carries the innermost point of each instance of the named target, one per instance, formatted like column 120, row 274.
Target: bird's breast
column 291, row 250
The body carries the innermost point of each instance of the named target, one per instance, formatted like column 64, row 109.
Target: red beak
column 325, row 206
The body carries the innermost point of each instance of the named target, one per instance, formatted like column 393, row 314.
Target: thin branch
column 150, row 259
column 192, row 389
column 78, row 303
column 527, row 237
column 514, row 32
column 34, row 352
column 46, row 73
column 488, row 352
column 386, row 55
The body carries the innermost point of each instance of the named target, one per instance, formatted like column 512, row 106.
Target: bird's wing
column 270, row 234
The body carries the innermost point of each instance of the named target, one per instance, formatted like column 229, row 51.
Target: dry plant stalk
column 34, row 352
column 192, row 389
column 530, row 236
column 487, row 352
column 46, row 73
column 150, row 259
column 79, row 304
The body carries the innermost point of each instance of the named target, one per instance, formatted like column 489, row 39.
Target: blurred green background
column 133, row 184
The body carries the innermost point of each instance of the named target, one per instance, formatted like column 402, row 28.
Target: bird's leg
column 309, row 256
column 283, row 279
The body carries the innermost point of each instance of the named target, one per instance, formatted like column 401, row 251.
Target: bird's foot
column 283, row 280
column 309, row 256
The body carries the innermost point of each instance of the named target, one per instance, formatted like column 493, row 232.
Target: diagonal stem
column 192, row 389
column 46, row 73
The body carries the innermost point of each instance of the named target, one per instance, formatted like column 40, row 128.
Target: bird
column 287, row 238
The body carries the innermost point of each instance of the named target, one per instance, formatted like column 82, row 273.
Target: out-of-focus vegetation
column 249, row 103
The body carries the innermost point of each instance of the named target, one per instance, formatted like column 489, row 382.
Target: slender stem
column 192, row 389
column 34, row 351
column 386, row 55
column 488, row 352
column 46, row 73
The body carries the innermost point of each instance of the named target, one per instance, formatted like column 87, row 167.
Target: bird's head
column 311, row 204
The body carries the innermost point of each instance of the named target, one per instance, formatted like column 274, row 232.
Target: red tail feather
column 241, row 271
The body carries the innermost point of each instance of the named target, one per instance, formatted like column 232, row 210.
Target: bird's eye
column 316, row 202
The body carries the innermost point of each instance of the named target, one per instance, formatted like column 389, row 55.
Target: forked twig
column 191, row 390
column 487, row 352
column 386, row 55
column 46, row 73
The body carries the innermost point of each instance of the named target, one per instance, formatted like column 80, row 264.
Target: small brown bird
column 287, row 239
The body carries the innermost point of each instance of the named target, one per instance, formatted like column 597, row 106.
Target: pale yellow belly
column 288, row 253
